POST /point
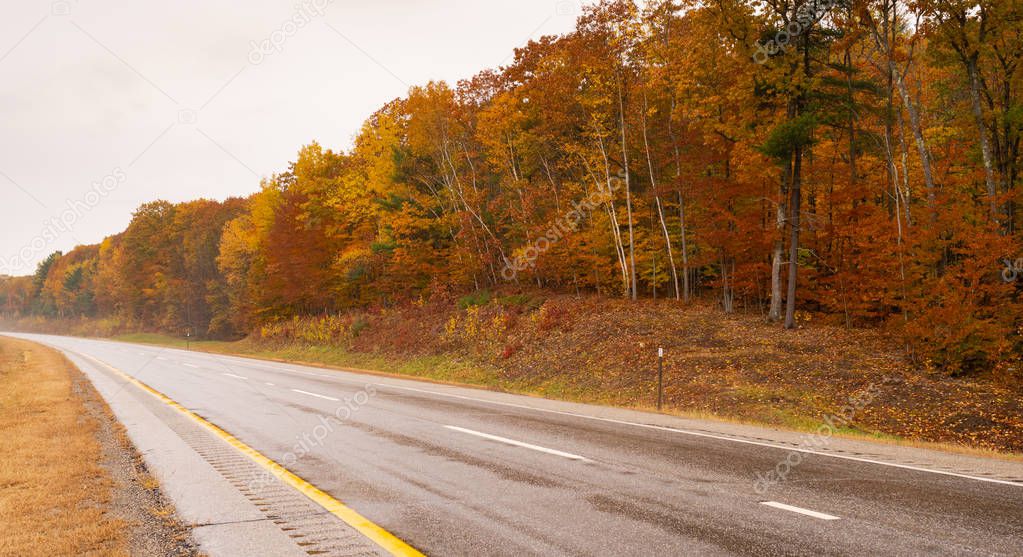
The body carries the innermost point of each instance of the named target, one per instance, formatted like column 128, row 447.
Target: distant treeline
column 858, row 166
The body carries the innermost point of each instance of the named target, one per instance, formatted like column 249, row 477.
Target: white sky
column 167, row 93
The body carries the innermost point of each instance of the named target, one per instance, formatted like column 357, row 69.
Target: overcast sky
column 109, row 104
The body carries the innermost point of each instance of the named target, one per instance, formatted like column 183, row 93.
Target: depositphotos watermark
column 567, row 224
column 308, row 441
column 1012, row 270
column 806, row 16
column 63, row 223
column 819, row 438
column 305, row 13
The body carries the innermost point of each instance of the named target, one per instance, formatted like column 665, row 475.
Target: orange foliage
column 712, row 153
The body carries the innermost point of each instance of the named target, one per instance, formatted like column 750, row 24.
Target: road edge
column 381, row 537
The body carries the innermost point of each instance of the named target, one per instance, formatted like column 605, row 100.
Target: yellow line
column 378, row 535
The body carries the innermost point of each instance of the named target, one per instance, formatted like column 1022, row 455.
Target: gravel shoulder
column 72, row 481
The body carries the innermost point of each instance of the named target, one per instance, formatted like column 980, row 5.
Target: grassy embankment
column 594, row 350
column 441, row 368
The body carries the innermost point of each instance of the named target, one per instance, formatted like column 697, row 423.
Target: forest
column 851, row 163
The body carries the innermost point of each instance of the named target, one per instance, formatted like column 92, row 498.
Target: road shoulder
column 73, row 482
column 231, row 504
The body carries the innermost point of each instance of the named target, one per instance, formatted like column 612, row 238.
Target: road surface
column 456, row 471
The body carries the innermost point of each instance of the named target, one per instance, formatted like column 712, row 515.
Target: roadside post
column 660, row 378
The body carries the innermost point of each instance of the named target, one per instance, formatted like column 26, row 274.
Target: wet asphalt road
column 463, row 472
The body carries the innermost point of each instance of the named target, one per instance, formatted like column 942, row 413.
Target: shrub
column 479, row 328
column 523, row 302
column 480, row 298
column 510, row 350
column 329, row 329
column 359, row 325
column 551, row 316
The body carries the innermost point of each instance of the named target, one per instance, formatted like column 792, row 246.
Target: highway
column 459, row 471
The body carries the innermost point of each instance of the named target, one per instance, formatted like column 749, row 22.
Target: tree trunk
column 790, row 299
column 727, row 292
column 681, row 206
column 612, row 214
column 779, row 243
column 918, row 135
column 657, row 199
column 883, row 40
column 776, row 263
column 686, row 289
column 985, row 146
column 628, row 194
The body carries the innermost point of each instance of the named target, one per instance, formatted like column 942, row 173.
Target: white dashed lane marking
column 307, row 393
column 515, row 443
column 799, row 510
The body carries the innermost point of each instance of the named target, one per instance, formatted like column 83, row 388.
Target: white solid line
column 316, row 395
column 191, row 365
column 270, row 384
column 235, row 376
column 162, row 359
column 507, row 441
column 799, row 510
column 709, row 436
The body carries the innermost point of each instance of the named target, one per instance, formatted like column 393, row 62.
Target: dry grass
column 53, row 491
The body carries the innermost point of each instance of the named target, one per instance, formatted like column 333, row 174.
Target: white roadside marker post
column 660, row 378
